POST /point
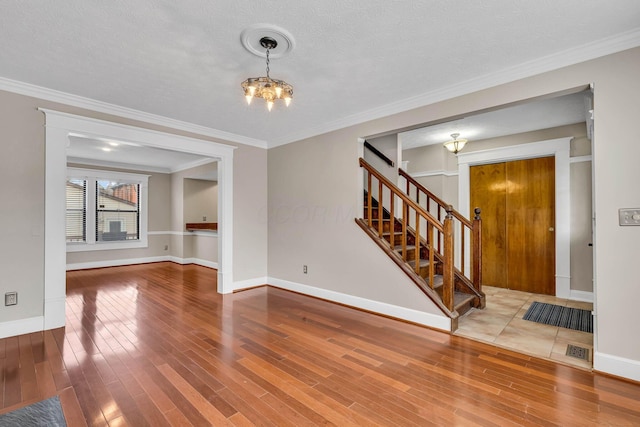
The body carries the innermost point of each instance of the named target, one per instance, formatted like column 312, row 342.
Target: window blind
column 76, row 218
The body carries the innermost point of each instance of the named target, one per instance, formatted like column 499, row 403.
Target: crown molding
column 585, row 52
column 40, row 92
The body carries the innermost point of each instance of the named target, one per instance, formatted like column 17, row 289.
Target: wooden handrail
column 421, row 216
column 457, row 215
column 373, row 172
column 378, row 153
column 473, row 230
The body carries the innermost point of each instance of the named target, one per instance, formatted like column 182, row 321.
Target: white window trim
column 91, row 244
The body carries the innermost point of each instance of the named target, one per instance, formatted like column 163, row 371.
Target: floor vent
column 578, row 352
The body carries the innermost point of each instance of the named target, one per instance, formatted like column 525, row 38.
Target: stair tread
column 461, row 298
column 461, row 302
column 423, row 262
column 399, row 247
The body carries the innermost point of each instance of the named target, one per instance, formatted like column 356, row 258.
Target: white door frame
column 58, row 128
column 555, row 147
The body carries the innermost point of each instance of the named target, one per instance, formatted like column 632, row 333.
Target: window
column 105, row 210
column 76, row 210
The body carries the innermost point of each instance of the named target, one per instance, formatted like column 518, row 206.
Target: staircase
column 416, row 230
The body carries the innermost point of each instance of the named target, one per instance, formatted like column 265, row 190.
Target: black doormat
column 44, row 413
column 557, row 315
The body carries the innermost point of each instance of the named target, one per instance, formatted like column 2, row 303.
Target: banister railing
column 378, row 153
column 468, row 249
column 415, row 218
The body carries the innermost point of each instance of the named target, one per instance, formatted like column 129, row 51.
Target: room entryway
column 517, row 199
column 501, row 323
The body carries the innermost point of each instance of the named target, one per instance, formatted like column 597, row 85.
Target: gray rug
column 46, row 413
column 557, row 315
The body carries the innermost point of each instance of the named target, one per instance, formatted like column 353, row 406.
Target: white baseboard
column 130, row 261
column 198, row 261
column 250, row 283
column 22, row 326
column 618, row 366
column 415, row 316
column 116, row 262
column 581, row 296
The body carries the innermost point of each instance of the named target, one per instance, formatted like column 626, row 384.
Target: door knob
column 550, row 228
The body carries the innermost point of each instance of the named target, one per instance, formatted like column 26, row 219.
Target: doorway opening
column 559, row 126
column 59, row 127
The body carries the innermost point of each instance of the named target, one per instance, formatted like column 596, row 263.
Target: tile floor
column 501, row 324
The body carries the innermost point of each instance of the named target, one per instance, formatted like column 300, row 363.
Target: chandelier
column 456, row 144
column 265, row 87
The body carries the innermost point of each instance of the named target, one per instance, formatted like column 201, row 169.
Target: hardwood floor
column 156, row 345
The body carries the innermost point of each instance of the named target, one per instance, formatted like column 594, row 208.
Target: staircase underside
column 465, row 297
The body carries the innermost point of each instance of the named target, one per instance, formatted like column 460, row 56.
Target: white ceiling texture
column 351, row 60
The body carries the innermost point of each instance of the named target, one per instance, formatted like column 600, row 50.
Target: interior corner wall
column 312, row 204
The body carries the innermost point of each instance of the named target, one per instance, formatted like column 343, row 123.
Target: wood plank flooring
column 155, row 345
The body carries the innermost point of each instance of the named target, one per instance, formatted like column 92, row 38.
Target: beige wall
column 200, row 200
column 312, row 206
column 341, row 259
column 250, row 214
column 22, row 220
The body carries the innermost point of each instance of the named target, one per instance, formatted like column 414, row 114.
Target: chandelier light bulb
column 267, row 88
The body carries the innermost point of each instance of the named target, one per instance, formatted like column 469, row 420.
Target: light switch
column 629, row 216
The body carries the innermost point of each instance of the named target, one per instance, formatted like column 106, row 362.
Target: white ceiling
column 352, row 61
column 127, row 155
column 535, row 115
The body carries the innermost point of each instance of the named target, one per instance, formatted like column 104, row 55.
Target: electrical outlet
column 166, row 247
column 204, row 219
column 11, row 298
column 629, row 216
column 304, row 269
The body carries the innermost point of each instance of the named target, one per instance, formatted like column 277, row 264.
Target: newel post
column 448, row 278
column 476, row 250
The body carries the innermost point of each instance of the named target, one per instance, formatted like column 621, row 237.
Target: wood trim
column 193, row 226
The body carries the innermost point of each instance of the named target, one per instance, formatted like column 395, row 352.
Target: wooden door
column 488, row 191
column 518, row 223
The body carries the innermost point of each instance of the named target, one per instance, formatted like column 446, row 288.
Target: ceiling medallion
column 266, row 87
